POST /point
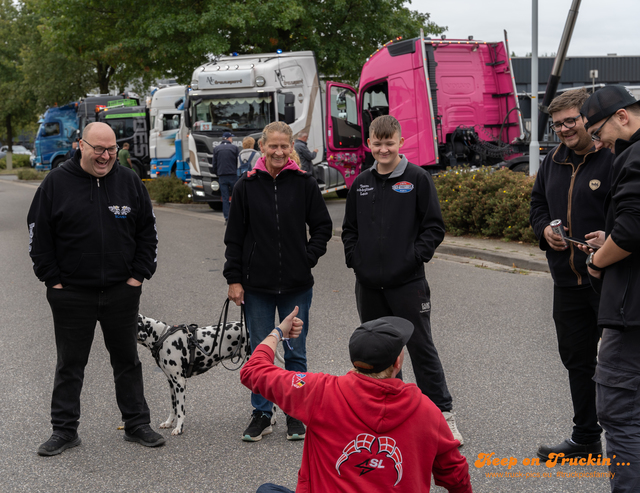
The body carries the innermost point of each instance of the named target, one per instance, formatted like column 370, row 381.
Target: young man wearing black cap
column 224, row 163
column 613, row 122
column 571, row 185
column 366, row 430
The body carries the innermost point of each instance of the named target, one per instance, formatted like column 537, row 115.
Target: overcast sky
column 602, row 27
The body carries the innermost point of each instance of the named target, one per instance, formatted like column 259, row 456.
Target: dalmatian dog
column 179, row 358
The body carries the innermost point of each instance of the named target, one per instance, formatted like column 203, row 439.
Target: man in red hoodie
column 366, row 430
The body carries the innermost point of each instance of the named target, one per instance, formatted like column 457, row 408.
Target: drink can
column 556, row 227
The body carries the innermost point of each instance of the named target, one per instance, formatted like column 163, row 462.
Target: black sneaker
column 260, row 425
column 295, row 429
column 571, row 449
column 57, row 444
column 144, row 435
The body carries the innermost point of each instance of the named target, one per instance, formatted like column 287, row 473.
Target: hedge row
column 486, row 202
column 17, row 161
column 169, row 189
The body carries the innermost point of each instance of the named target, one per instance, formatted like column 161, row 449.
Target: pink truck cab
column 455, row 100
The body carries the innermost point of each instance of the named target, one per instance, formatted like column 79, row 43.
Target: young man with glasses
column 612, row 117
column 571, row 185
column 93, row 241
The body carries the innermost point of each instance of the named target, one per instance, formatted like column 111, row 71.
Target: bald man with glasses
column 93, row 241
column 571, row 185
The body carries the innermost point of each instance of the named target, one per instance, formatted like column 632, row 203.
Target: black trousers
column 75, row 313
column 575, row 313
column 411, row 301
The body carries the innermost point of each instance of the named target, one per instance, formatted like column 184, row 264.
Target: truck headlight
column 215, row 186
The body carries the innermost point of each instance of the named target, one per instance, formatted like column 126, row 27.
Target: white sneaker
column 451, row 421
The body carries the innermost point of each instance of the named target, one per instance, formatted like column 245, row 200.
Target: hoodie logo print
column 120, row 211
column 364, row 441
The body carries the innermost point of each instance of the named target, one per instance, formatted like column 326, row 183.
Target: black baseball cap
column 226, row 135
column 375, row 345
column 605, row 102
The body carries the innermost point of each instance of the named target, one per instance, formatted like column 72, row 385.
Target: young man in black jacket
column 571, row 185
column 613, row 121
column 392, row 226
column 93, row 241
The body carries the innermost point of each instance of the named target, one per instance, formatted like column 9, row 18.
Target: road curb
column 515, row 261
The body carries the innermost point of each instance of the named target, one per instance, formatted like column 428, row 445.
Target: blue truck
column 62, row 125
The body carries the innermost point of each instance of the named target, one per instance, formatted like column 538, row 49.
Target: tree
column 110, row 44
column 17, row 107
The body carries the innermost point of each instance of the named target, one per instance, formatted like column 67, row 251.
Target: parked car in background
column 16, row 150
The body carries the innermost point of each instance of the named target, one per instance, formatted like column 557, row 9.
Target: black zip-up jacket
column 391, row 226
column 575, row 194
column 225, row 159
column 266, row 238
column 620, row 297
column 91, row 232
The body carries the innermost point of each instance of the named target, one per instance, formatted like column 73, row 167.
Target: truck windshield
column 220, row 114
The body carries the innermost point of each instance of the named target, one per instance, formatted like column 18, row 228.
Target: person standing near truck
column 392, row 226
column 248, row 156
column 124, row 156
column 571, row 185
column 270, row 256
column 224, row 163
column 306, row 156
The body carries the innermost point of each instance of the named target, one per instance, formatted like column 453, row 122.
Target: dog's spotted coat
column 173, row 357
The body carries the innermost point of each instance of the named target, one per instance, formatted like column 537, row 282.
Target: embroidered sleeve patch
column 298, row 380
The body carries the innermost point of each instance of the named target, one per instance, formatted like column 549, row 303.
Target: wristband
column 286, row 339
column 276, row 334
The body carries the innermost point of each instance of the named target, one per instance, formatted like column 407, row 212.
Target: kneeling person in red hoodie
column 366, row 430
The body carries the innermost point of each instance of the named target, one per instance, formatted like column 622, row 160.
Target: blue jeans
column 260, row 310
column 273, row 488
column 227, row 182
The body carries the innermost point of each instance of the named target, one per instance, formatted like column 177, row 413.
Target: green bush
column 169, row 189
column 30, row 174
column 486, row 202
column 18, row 161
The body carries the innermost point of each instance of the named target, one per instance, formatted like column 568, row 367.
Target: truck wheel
column 521, row 167
column 342, row 193
column 216, row 206
column 136, row 170
column 57, row 162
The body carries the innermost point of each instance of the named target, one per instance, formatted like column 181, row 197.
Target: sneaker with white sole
column 295, row 429
column 451, row 421
column 261, row 424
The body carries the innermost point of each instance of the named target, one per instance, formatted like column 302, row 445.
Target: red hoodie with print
column 363, row 434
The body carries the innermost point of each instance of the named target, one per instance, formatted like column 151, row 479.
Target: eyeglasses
column 595, row 136
column 567, row 122
column 99, row 151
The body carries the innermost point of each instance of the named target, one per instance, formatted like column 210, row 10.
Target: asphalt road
column 493, row 330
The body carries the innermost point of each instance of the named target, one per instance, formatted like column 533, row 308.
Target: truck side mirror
column 187, row 114
column 289, row 108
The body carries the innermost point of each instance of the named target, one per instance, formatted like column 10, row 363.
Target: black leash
column 192, row 341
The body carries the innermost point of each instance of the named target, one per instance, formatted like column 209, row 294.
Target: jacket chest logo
column 120, row 211
column 402, row 187
column 594, row 184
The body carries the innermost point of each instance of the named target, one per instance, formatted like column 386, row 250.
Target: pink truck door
column 344, row 135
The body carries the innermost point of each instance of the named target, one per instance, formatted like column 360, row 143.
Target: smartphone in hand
column 580, row 242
